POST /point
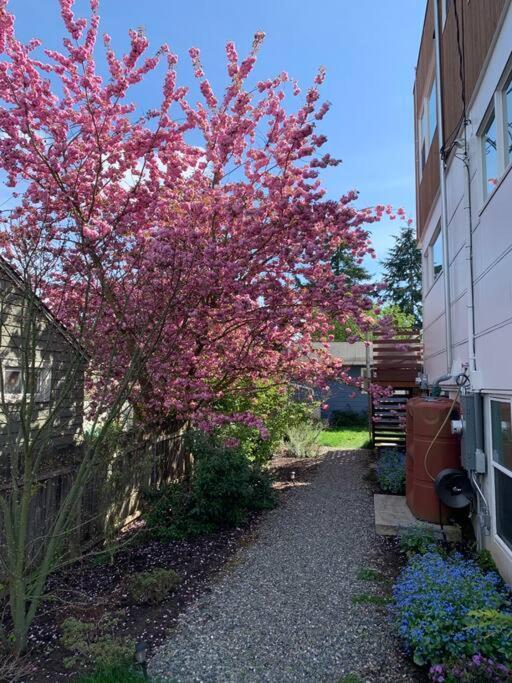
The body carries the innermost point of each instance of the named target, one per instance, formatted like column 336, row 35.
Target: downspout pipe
column 470, row 293
column 444, row 202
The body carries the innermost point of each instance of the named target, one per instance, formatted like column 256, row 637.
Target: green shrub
column 347, row 418
column 95, row 644
column 152, row 586
column 124, row 674
column 224, row 487
column 418, row 540
column 168, row 512
column 274, row 406
column 303, row 439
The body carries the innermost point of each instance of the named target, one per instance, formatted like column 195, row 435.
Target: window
column 436, row 255
column 496, row 135
column 507, row 112
column 432, row 113
column 427, row 125
column 501, row 434
column 39, row 383
column 423, row 139
column 490, row 152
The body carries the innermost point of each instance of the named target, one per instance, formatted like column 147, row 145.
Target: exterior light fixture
column 292, row 476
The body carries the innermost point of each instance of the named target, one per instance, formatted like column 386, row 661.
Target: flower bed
column 455, row 617
column 391, row 471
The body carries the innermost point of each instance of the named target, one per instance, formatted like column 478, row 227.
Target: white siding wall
column 492, row 267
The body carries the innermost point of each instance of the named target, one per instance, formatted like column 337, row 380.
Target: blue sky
column 369, row 48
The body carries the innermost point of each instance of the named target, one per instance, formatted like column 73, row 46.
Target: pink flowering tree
column 181, row 269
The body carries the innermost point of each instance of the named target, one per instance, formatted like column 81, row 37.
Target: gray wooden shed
column 41, row 375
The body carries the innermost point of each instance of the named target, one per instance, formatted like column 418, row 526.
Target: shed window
column 501, row 431
column 12, row 381
column 38, row 384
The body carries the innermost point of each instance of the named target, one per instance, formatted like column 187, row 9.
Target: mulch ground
column 88, row 590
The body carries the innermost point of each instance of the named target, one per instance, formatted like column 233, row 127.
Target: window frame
column 497, row 107
column 506, row 119
column 493, row 466
column 433, row 276
column 424, row 111
column 489, row 116
column 44, row 383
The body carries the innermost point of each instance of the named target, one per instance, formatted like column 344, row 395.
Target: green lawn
column 344, row 437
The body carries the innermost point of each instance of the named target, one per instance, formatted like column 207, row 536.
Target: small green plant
column 417, row 540
column 125, row 674
column 95, row 645
column 368, row 574
column 350, row 678
column 368, row 599
column 303, row 438
column 485, row 561
column 493, row 627
column 152, row 586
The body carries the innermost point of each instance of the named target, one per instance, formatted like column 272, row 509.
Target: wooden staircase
column 396, row 364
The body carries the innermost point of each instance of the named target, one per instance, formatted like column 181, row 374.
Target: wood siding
column 25, row 327
column 478, row 22
column 427, row 181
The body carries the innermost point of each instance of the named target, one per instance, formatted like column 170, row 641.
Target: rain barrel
column 425, row 416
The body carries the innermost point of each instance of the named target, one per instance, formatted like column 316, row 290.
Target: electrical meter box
column 472, row 443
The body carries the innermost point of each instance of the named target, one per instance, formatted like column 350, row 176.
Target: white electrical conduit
column 444, row 203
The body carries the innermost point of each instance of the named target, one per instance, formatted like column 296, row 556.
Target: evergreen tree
column 344, row 262
column 402, row 274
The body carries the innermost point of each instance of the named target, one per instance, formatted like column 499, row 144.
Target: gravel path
column 283, row 611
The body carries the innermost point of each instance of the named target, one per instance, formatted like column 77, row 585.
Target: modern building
column 463, row 130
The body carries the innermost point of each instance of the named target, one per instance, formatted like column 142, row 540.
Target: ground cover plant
column 438, row 606
column 152, row 586
column 475, row 669
column 116, row 675
column 94, row 644
column 391, row 470
column 418, row 540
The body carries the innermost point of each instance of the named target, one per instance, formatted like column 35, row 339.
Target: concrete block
column 393, row 516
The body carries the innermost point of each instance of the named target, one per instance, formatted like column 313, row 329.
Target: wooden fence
column 112, row 495
column 396, row 364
